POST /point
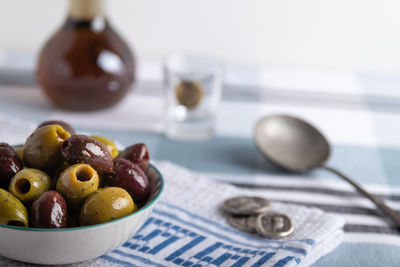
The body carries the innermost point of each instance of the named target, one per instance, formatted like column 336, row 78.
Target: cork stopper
column 86, row 9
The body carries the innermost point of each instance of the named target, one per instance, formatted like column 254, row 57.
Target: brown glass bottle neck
column 85, row 10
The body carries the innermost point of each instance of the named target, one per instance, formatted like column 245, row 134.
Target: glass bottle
column 85, row 65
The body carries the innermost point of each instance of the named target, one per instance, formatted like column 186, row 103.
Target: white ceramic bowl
column 70, row 245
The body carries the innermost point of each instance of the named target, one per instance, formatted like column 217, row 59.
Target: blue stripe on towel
column 264, row 259
column 228, row 229
column 114, row 260
column 163, row 245
column 185, row 248
column 240, row 262
column 283, row 261
column 151, row 235
column 221, row 259
column 208, row 250
column 296, row 250
column 227, row 238
column 137, row 258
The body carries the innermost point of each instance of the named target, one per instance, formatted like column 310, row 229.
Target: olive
column 49, row 210
column 42, row 148
column 10, row 164
column 137, row 153
column 105, row 205
column 66, row 126
column 132, row 178
column 111, row 146
column 20, row 151
column 12, row 211
column 28, row 184
column 83, row 149
column 76, row 183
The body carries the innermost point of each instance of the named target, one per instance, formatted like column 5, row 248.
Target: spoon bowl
column 291, row 143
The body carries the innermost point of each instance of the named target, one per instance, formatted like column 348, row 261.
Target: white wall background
column 356, row 35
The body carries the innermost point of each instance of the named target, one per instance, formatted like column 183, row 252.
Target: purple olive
column 49, row 210
column 10, row 164
column 66, row 126
column 132, row 178
column 83, row 149
column 138, row 154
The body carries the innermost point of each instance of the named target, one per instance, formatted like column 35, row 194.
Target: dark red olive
column 83, row 149
column 10, row 164
column 138, row 154
column 66, row 126
column 49, row 210
column 132, row 178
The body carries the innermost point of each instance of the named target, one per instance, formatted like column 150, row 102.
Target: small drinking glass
column 193, row 88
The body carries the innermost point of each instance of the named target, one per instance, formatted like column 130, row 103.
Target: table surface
column 359, row 113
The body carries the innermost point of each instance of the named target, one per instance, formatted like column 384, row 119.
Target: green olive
column 27, row 184
column 111, row 146
column 105, row 205
column 20, row 151
column 76, row 183
column 12, row 211
column 42, row 149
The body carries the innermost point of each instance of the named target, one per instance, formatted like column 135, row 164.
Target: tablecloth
column 359, row 113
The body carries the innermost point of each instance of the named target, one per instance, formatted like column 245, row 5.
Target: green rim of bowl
column 148, row 205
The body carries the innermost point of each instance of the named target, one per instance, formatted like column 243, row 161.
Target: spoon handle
column 395, row 216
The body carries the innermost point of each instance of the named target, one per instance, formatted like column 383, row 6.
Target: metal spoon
column 297, row 146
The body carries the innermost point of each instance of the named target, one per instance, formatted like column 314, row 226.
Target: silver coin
column 274, row 225
column 244, row 205
column 243, row 223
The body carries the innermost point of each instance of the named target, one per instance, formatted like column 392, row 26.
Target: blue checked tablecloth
column 359, row 114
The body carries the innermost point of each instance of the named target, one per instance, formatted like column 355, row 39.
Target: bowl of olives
column 67, row 197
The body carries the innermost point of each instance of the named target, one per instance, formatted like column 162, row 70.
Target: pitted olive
column 42, row 149
column 76, row 183
column 28, row 184
column 12, row 211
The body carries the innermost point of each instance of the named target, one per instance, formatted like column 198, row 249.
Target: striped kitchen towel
column 187, row 228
